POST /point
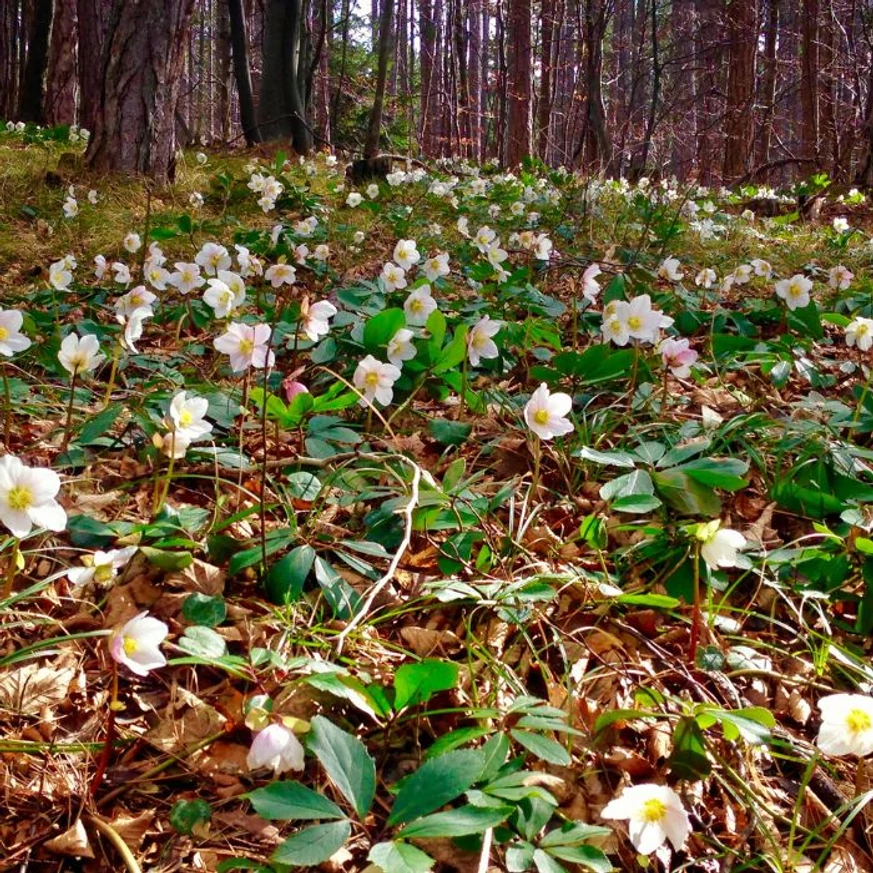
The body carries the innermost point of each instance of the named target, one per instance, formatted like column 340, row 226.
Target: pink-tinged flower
column 480, row 340
column 546, row 413
column 137, row 644
column 276, row 748
column 654, row 814
column 222, row 298
column 27, row 497
column 246, row 344
column 794, row 291
column 316, row 322
column 213, row 257
column 678, row 356
column 292, row 388
column 187, row 278
column 846, row 725
column 136, row 298
column 375, row 381
column 840, row 277
column 590, row 285
column 11, row 338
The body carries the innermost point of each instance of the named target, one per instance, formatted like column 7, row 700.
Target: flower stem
column 112, row 373
column 695, row 608
column 68, row 424
column 12, row 569
column 162, row 486
column 7, row 421
column 464, row 365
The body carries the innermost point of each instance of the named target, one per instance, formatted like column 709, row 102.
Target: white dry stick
column 395, row 561
column 485, row 856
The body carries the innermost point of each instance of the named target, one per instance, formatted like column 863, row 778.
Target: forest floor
column 446, row 628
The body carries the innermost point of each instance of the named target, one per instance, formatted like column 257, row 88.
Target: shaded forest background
column 716, row 91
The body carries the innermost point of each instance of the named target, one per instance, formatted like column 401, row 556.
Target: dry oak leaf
column 27, row 690
column 73, row 842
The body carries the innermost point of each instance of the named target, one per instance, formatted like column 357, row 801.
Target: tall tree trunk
column 135, row 129
column 427, row 34
column 595, row 144
column 386, row 37
column 33, row 82
column 767, row 97
column 224, row 82
column 474, row 29
column 518, row 82
column 544, row 106
column 93, row 18
column 59, row 106
column 10, row 48
column 242, row 71
column 742, row 21
column 809, row 84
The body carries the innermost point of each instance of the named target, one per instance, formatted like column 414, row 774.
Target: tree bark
column 742, row 22
column 386, row 41
column 33, row 80
column 59, row 106
column 518, row 82
column 143, row 60
column 242, row 72
column 93, row 16
column 544, row 105
column 809, row 84
column 10, row 48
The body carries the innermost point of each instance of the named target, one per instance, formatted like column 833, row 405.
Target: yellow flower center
column 416, row 305
column 634, row 322
column 136, row 299
column 130, row 645
column 103, row 573
column 4, row 333
column 541, row 416
column 372, row 380
column 795, row 290
column 246, row 346
column 858, row 721
column 20, row 497
column 615, row 326
column 654, row 810
column 185, row 418
column 861, row 330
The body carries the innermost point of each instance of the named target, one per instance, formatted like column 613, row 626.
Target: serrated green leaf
column 544, row 748
column 456, row 822
column 396, row 857
column 417, row 683
column 347, row 762
column 291, row 801
column 313, row 845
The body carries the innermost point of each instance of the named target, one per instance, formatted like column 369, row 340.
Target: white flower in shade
column 321, row 253
column 281, row 274
column 846, row 725
column 483, row 238
column 859, row 332
column 794, row 291
column 406, row 253
column 706, row 278
column 200, row 158
column 195, row 200
column 419, row 305
column 12, row 340
column 840, row 277
column 496, row 255
column 173, row 445
column 354, row 199
column 393, row 277
column 762, row 268
column 546, row 413
column 358, row 237
column 136, row 298
column 222, row 298
column 742, row 274
column 372, row 190
column 133, row 326
column 643, row 321
column 71, row 207
column 517, row 208
column 187, row 278
column 400, row 347
column 654, row 814
column 375, row 381
column 136, row 645
column 80, row 355
column 719, row 545
column 841, row 224
column 669, row 270
column 27, row 497
column 463, row 226
column 316, row 322
column 615, row 327
column 246, row 344
column 213, row 257
column 249, row 264
column 60, row 276
column 156, row 257
column 132, row 242
column 100, row 266
column 480, row 340
column 276, row 232
column 122, row 273
column 93, row 196
column 157, row 276
column 188, row 416
column 235, row 282
column 590, row 285
column 436, row 266
column 277, row 748
column 101, row 567
column 542, row 248
column 677, row 356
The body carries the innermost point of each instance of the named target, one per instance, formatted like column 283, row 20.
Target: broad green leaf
column 203, row 642
column 417, row 683
column 636, row 503
column 169, row 562
column 630, row 484
column 573, row 833
column 285, row 579
column 304, row 486
column 204, row 609
column 435, row 783
column 688, row 497
column 587, row 856
column 454, row 352
column 725, row 473
column 98, row 427
column 457, row 822
column 347, row 762
column 544, row 748
column 610, row 459
column 449, row 433
column 291, row 801
column 688, row 759
column 519, row 857
column 545, row 863
column 397, row 857
column 230, row 864
column 380, row 329
column 314, row 844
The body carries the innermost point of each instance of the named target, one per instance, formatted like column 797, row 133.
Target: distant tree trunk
column 135, row 128
column 386, row 37
column 544, row 104
column 427, row 34
column 742, row 21
column 321, row 72
column 282, row 105
column 459, row 29
column 59, row 105
column 767, row 97
column 809, row 84
column 641, row 158
column 474, row 28
column 10, row 49
column 864, row 173
column 595, row 145
column 33, row 82
column 93, row 18
column 518, row 82
column 242, row 72
column 223, row 69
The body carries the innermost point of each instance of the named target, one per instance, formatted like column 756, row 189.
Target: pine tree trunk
column 544, row 106
column 33, row 81
column 135, row 127
column 242, row 71
column 518, row 82
column 10, row 47
column 809, row 84
column 742, row 21
column 386, row 37
column 59, row 105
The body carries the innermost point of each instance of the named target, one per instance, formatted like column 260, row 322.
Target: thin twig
column 115, row 838
column 395, row 561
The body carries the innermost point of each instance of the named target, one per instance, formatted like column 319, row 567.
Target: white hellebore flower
column 12, row 340
column 542, row 249
column 137, row 644
column 80, row 355
column 246, row 344
column 222, row 298
column 281, row 274
column 846, row 725
column 27, row 497
column 187, row 278
column 669, row 270
column 859, row 332
column 132, row 242
column 419, row 305
column 375, row 381
column 188, row 416
column 133, row 326
column 643, row 321
column 354, row 199
column 590, row 285
column 406, row 253
column 393, row 277
column 60, row 276
column 400, row 347
column 213, row 257
column 102, row 567
column 316, row 324
column 136, row 298
column 719, row 545
column 615, row 327
column 436, row 267
column 122, row 273
column 706, row 278
column 277, row 748
column 654, row 814
column 840, row 277
column 480, row 340
column 546, row 413
column 794, row 291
